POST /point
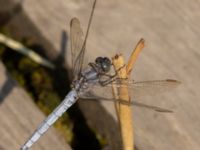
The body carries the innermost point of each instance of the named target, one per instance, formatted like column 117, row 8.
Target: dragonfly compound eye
column 105, row 64
column 99, row 60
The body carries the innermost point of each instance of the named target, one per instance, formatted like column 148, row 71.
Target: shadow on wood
column 7, row 87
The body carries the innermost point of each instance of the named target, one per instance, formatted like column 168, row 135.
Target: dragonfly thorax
column 88, row 76
column 92, row 74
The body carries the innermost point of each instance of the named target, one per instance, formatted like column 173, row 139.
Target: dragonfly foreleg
column 106, row 82
column 111, row 77
column 116, row 71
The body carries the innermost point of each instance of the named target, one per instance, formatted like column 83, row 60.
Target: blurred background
column 29, row 91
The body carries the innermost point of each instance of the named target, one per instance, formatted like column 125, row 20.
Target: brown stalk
column 134, row 56
column 124, row 112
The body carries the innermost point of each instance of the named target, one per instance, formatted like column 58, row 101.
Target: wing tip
column 73, row 20
column 164, row 110
column 173, row 81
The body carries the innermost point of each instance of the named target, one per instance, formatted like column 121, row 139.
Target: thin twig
column 134, row 56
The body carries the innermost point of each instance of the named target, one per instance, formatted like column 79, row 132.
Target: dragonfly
column 95, row 82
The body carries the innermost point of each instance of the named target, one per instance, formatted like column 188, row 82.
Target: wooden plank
column 20, row 116
column 170, row 30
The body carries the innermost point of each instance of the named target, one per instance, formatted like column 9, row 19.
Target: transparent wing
column 76, row 36
column 136, row 90
column 149, row 88
column 92, row 97
column 77, row 43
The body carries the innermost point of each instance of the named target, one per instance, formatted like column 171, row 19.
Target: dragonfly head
column 104, row 63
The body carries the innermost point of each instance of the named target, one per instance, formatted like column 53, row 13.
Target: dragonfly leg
column 111, row 77
column 109, row 81
column 116, row 71
column 94, row 66
column 106, row 82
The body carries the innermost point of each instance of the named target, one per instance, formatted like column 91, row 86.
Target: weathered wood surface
column 19, row 118
column 172, row 33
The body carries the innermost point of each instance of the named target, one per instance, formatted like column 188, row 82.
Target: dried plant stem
column 124, row 112
column 134, row 56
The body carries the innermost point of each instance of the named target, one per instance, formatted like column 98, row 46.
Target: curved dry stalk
column 134, row 56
